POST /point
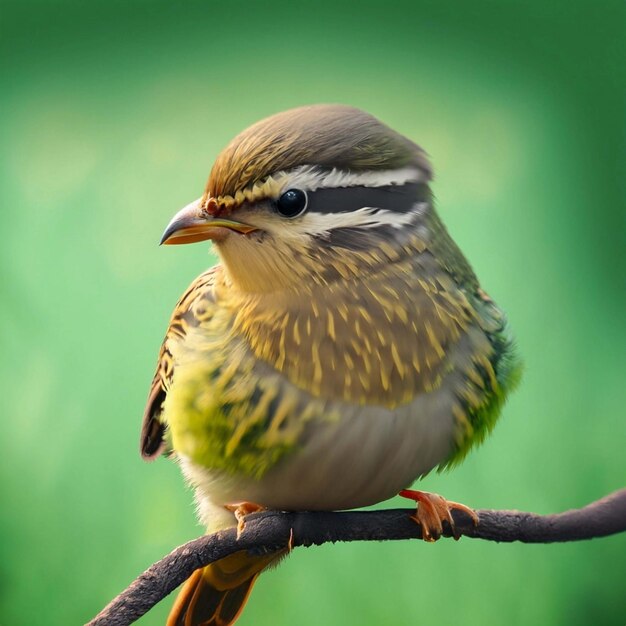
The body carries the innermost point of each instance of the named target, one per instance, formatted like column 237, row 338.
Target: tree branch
column 270, row 531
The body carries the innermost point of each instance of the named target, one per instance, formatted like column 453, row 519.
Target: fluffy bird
column 340, row 350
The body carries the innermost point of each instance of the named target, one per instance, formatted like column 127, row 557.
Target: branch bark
column 272, row 530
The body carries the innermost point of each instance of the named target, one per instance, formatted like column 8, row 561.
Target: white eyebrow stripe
column 367, row 217
column 310, row 178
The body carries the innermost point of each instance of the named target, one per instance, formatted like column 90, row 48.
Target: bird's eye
column 292, row 203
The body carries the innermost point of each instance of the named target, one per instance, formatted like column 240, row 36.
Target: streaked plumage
column 334, row 357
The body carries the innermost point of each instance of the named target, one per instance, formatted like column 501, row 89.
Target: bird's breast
column 382, row 340
column 330, row 398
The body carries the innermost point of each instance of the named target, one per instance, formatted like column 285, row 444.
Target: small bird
column 342, row 348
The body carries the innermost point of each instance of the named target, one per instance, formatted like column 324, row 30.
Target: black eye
column 292, row 203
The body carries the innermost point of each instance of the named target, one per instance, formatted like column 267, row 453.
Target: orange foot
column 241, row 510
column 432, row 510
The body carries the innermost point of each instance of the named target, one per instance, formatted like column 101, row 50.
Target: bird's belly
column 364, row 457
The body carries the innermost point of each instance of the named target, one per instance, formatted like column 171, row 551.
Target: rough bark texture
column 273, row 530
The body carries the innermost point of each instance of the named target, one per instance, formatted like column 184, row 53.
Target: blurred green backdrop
column 112, row 113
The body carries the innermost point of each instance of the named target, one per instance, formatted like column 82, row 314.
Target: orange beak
column 192, row 224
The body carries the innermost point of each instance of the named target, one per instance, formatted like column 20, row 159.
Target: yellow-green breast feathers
column 251, row 371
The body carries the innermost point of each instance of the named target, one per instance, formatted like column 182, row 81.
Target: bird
column 341, row 349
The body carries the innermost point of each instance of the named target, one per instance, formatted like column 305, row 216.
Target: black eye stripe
column 397, row 198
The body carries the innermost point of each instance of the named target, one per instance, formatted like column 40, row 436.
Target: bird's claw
column 433, row 510
column 241, row 510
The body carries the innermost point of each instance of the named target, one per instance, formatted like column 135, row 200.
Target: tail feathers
column 216, row 594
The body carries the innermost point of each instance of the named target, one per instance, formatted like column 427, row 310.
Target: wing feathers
column 152, row 440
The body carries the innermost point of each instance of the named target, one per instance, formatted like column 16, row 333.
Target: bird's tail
column 216, row 594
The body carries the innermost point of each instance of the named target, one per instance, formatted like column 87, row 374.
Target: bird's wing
column 152, row 439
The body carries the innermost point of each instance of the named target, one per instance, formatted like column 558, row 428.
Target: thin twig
column 270, row 531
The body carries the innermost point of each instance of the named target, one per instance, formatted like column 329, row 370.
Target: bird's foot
column 433, row 510
column 241, row 510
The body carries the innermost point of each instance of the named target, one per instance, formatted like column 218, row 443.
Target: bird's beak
column 192, row 224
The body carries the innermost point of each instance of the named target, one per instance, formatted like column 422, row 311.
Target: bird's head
column 309, row 195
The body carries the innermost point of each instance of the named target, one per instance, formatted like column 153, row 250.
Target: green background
column 112, row 114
